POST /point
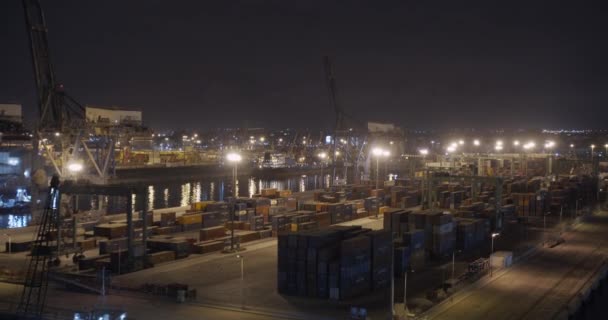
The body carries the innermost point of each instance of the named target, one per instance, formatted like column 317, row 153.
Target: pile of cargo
column 337, row 262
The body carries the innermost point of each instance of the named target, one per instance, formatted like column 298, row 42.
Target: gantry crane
column 352, row 135
column 61, row 129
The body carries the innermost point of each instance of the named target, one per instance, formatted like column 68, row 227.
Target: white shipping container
column 501, row 259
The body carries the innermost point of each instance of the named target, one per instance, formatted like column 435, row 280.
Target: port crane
column 352, row 135
column 61, row 131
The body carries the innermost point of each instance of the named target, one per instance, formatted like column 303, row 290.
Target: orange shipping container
column 190, row 219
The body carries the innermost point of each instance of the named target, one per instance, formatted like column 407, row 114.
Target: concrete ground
column 542, row 286
column 221, row 293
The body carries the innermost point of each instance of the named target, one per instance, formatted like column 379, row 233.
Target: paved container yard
column 543, row 286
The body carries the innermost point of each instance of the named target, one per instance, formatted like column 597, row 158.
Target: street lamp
column 386, row 154
column 476, row 143
column 75, row 167
column 592, row 147
column 242, row 259
column 235, row 158
column 424, row 152
column 494, row 235
column 378, row 152
column 516, row 143
column 606, row 147
column 322, row 156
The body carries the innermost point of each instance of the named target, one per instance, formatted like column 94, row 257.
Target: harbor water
column 183, row 193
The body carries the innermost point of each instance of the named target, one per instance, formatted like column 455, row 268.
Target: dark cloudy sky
column 417, row 63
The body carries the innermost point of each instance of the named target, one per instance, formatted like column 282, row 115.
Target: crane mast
column 338, row 126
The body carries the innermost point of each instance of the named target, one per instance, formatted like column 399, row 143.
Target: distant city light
column 476, row 142
column 498, row 147
column 322, row 155
column 516, row 142
column 460, row 142
column 424, row 152
column 529, row 145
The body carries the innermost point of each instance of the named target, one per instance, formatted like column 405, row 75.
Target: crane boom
column 331, row 86
column 55, row 112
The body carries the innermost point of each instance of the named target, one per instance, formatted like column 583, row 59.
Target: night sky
column 416, row 63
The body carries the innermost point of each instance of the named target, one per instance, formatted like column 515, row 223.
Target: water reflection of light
column 211, row 191
column 260, row 185
column 221, row 190
column 150, row 197
column 196, row 193
column 274, row 184
column 166, row 197
column 185, row 196
column 236, row 188
column 133, row 202
column 252, row 189
column 327, row 179
column 302, row 187
column 18, row 221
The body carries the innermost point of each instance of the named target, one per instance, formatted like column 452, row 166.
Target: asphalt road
column 62, row 304
column 542, row 286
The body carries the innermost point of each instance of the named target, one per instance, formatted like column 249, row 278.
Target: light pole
column 405, row 293
column 378, row 152
column 545, row 227
column 450, row 149
column 453, row 264
column 385, row 154
column 10, row 250
column 548, row 146
column 606, row 152
column 322, row 156
column 424, row 153
column 494, row 235
column 592, row 147
column 235, row 158
column 75, row 167
column 242, row 259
